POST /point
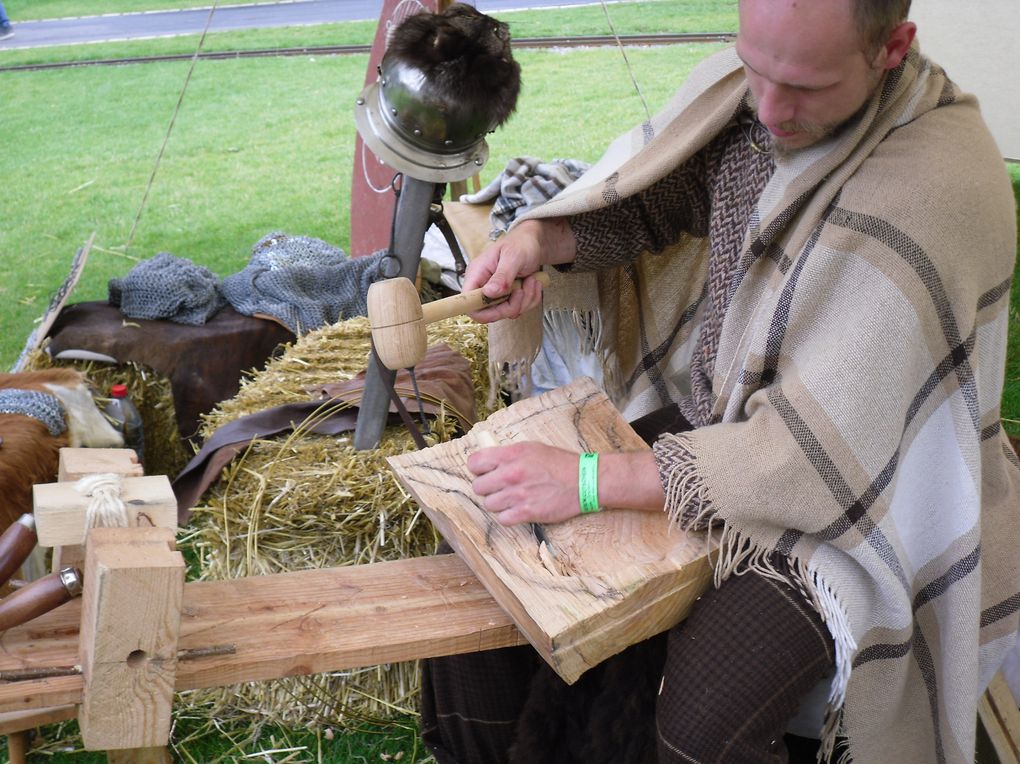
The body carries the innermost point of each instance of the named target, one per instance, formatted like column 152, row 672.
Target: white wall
column 978, row 43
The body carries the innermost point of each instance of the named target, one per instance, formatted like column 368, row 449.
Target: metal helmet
column 418, row 130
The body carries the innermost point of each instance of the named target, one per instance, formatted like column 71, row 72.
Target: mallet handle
column 469, row 302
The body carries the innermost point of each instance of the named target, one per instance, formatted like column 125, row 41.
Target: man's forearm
column 557, row 245
column 630, row 480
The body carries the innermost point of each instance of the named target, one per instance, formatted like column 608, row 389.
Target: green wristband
column 588, row 482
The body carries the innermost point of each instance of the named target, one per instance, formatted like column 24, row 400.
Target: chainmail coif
column 44, row 407
column 302, row 281
column 168, row 287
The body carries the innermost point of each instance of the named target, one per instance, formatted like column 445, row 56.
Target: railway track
column 576, row 41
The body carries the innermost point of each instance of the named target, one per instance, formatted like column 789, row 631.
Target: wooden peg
column 60, row 510
column 76, row 463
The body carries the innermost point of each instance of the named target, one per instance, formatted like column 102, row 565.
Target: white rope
column 106, row 508
column 170, row 127
column 626, row 61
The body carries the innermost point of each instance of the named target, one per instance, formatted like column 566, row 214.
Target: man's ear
column 891, row 54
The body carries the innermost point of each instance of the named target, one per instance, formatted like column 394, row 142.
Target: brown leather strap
column 409, row 423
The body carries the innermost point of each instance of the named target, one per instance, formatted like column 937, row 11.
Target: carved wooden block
column 618, row 576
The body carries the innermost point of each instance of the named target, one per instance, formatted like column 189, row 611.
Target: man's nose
column 775, row 105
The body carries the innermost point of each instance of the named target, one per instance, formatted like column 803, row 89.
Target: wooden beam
column 131, row 611
column 267, row 627
column 60, row 510
column 42, row 693
column 1000, row 717
column 158, row 755
column 18, row 721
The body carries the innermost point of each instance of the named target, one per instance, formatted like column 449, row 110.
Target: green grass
column 193, row 743
column 648, row 16
column 259, row 145
column 25, row 10
column 1011, row 394
column 651, row 16
column 345, row 33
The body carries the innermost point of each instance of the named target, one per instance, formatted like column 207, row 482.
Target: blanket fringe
column 690, row 507
column 510, row 376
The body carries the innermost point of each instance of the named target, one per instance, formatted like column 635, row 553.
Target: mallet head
column 398, row 328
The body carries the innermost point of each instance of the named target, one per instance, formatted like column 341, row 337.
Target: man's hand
column 533, row 482
column 526, row 482
column 520, row 253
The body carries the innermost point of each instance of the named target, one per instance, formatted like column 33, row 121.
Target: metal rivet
column 417, row 131
column 478, row 161
column 393, row 111
column 360, row 102
column 448, row 142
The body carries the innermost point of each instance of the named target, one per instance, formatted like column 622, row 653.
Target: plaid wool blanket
column 856, row 424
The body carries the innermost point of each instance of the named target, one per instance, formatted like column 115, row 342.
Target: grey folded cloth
column 525, row 183
column 170, row 288
column 302, row 282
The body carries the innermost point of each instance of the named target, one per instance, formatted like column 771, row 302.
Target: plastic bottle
column 127, row 420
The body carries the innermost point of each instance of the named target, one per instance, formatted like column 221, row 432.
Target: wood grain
column 617, row 577
column 287, row 624
column 18, row 721
column 76, row 463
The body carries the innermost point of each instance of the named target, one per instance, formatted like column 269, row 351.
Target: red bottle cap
column 118, row 391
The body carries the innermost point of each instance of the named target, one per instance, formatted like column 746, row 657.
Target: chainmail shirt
column 302, row 281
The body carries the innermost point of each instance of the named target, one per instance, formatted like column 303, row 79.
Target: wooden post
column 17, row 747
column 131, row 614
column 998, row 712
column 159, row 755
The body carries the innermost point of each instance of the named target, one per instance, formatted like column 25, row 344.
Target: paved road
column 134, row 26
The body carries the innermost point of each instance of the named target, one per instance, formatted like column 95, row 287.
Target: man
column 6, row 28
column 806, row 260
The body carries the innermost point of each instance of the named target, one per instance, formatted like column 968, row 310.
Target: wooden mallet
column 398, row 318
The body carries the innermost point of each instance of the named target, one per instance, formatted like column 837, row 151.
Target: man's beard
column 818, row 133
column 816, row 130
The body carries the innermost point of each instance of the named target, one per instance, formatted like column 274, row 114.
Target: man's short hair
column 876, row 19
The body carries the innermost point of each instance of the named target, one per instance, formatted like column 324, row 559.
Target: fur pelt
column 465, row 56
column 28, row 453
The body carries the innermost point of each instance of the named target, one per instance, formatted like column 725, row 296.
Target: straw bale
column 165, row 451
column 307, row 501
